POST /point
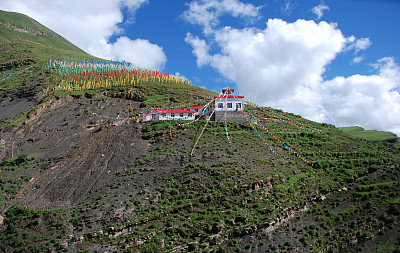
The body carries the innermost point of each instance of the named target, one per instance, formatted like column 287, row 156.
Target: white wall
column 177, row 116
column 225, row 102
column 160, row 116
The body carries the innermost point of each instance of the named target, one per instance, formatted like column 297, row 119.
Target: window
column 238, row 105
column 229, row 105
column 220, row 105
column 172, row 115
column 164, row 114
column 196, row 110
column 189, row 115
column 153, row 116
column 181, row 115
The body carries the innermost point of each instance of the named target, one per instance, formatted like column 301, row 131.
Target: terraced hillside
column 372, row 135
column 78, row 173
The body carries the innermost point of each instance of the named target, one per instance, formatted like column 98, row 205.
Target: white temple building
column 228, row 106
column 229, row 101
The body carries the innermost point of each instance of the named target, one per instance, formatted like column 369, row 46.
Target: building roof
column 228, row 89
column 229, row 96
column 194, row 107
column 171, row 111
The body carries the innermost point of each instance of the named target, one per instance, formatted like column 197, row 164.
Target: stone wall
column 235, row 116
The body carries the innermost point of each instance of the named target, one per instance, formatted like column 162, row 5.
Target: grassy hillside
column 86, row 177
column 154, row 196
column 21, row 27
column 25, row 46
column 370, row 135
column 389, row 138
column 27, row 84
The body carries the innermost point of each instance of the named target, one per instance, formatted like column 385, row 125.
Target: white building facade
column 170, row 115
column 228, row 101
column 198, row 110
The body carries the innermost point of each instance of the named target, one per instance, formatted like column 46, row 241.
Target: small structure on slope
column 229, row 106
column 170, row 115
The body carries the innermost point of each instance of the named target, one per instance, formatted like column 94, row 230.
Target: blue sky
column 334, row 61
column 364, row 19
column 373, row 19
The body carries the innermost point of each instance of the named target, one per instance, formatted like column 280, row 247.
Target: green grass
column 370, row 135
column 159, row 94
column 31, row 51
column 225, row 200
column 228, row 193
column 22, row 21
column 33, row 230
column 13, row 176
column 292, row 180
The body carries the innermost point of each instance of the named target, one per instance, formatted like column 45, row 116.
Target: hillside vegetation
column 78, row 173
column 371, row 135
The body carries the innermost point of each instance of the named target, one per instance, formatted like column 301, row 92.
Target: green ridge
column 370, row 135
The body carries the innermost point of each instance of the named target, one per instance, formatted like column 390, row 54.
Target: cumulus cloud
column 200, row 49
column 273, row 62
column 371, row 101
column 283, row 66
column 90, row 24
column 319, row 10
column 133, row 5
column 139, row 51
column 206, row 12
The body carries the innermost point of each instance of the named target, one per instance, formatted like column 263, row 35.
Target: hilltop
column 85, row 175
column 373, row 135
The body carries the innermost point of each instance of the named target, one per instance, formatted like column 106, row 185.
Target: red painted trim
column 172, row 111
column 194, row 107
column 229, row 96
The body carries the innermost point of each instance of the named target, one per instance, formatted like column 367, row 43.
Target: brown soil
column 74, row 153
column 86, row 167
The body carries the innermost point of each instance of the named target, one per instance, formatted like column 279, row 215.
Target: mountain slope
column 86, row 176
column 26, row 84
column 25, row 46
column 373, row 135
column 17, row 27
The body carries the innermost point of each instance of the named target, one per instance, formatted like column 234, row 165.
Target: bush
column 234, row 242
column 19, row 160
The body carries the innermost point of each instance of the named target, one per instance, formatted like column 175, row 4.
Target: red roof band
column 171, row 111
column 229, row 96
column 194, row 107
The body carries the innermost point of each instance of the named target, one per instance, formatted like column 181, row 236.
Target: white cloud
column 133, row 5
column 200, row 49
column 177, row 74
column 319, row 10
column 273, row 62
column 357, row 45
column 206, row 12
column 283, row 66
column 362, row 44
column 370, row 101
column 89, row 24
column 358, row 59
column 287, row 7
column 140, row 52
